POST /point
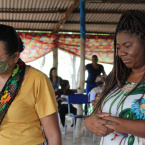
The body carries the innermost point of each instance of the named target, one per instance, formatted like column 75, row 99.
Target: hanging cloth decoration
column 11, row 88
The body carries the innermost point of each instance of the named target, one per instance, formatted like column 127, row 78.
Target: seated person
column 61, row 98
column 94, row 94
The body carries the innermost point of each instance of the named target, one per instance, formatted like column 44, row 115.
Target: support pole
column 55, row 53
column 74, row 73
column 82, row 64
column 66, row 16
column 55, row 57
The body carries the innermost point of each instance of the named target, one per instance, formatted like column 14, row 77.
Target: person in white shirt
column 94, row 94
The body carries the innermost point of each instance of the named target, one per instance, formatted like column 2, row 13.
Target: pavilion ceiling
column 101, row 15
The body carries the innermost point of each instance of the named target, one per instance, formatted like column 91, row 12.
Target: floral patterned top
column 130, row 108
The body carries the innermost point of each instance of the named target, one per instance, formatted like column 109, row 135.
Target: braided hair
column 132, row 21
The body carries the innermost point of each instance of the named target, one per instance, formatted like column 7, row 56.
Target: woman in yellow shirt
column 27, row 100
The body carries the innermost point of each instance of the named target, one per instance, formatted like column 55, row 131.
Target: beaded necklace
column 11, row 88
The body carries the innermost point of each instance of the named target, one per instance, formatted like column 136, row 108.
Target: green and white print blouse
column 130, row 108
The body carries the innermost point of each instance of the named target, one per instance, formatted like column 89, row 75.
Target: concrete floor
column 68, row 140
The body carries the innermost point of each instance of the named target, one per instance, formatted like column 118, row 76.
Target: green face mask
column 4, row 65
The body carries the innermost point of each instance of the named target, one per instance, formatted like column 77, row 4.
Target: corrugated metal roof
column 45, row 14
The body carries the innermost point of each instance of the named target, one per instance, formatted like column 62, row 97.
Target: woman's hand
column 93, row 102
column 96, row 124
column 55, row 90
column 63, row 99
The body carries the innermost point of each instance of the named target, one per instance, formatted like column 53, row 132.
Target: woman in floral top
column 121, row 110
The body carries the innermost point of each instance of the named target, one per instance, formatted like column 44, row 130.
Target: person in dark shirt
column 61, row 98
column 94, row 69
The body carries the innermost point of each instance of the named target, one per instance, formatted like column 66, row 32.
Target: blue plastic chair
column 77, row 99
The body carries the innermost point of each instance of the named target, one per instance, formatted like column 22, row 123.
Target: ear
column 17, row 56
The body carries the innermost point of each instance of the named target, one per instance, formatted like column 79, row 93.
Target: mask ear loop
column 8, row 59
column 13, row 62
column 3, row 55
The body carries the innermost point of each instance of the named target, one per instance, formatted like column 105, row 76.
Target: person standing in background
column 55, row 80
column 94, row 69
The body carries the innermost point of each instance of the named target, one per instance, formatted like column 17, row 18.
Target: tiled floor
column 68, row 140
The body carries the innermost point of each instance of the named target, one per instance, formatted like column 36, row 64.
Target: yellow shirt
column 35, row 99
